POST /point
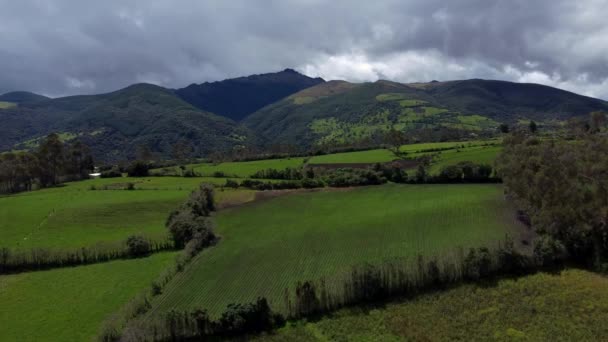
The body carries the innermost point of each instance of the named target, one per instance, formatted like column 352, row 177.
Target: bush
column 549, row 252
column 138, row 169
column 184, row 226
column 354, row 177
column 231, row 184
column 287, row 174
column 138, row 246
column 477, row 264
column 310, row 183
column 112, row 173
column 202, row 200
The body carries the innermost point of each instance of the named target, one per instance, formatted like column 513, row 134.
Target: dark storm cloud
column 68, row 47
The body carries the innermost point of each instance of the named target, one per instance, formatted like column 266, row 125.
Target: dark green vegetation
column 342, row 113
column 562, row 187
column 333, row 232
column 236, row 98
column 114, row 125
column 69, row 304
column 570, row 305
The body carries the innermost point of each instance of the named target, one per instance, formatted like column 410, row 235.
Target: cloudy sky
column 63, row 47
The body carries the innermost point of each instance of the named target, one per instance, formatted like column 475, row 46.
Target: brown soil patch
column 265, row 195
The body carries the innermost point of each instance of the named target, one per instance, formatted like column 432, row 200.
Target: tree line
column 51, row 163
column 36, row 259
column 291, row 178
column 562, row 187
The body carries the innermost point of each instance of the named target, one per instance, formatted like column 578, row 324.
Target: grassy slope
column 75, row 216
column 69, row 304
column 570, row 306
column 271, row 245
column 4, row 104
column 372, row 156
column 481, row 154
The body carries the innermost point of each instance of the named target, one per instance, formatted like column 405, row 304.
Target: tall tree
column 51, row 159
column 533, row 127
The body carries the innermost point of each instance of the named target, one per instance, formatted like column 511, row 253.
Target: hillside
column 115, row 124
column 338, row 112
column 238, row 97
column 21, row 97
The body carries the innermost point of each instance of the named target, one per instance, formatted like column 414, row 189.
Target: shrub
column 202, row 200
column 112, row 173
column 184, row 226
column 231, row 184
column 549, row 252
column 477, row 264
column 138, row 246
column 138, row 169
column 310, row 183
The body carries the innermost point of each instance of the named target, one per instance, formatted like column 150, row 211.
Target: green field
column 270, row 245
column 571, row 306
column 69, row 304
column 75, row 216
column 413, row 148
column 371, row 156
column 4, row 105
column 479, row 154
column 243, row 169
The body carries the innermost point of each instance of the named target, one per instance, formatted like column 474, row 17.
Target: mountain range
column 280, row 108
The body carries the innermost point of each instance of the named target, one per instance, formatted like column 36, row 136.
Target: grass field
column 571, row 306
column 244, row 169
column 270, row 245
column 371, row 156
column 478, row 154
column 4, row 105
column 69, row 304
column 413, row 148
column 74, row 216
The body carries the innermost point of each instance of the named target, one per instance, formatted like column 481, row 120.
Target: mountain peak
column 236, row 98
column 22, row 97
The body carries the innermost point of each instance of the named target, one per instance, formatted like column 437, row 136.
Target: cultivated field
column 268, row 246
column 68, row 304
column 570, row 306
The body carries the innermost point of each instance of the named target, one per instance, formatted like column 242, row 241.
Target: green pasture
column 69, row 304
column 569, row 306
column 4, row 104
column 75, row 216
column 268, row 246
column 478, row 154
column 242, row 169
column 420, row 147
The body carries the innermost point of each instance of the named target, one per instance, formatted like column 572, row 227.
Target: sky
column 66, row 47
